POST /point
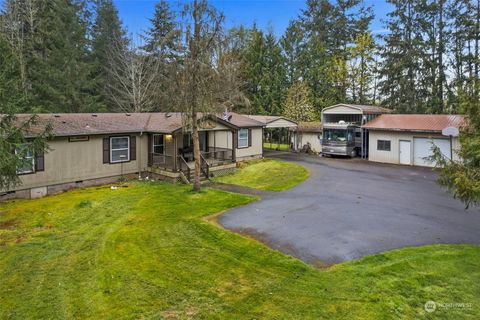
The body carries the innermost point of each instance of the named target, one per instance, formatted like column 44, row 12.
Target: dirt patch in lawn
column 8, row 224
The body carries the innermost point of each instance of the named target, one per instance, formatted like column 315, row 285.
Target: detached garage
column 408, row 138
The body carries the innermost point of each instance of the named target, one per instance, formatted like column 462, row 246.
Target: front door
column 405, row 152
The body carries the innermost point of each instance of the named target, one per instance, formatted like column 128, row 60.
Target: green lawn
column 145, row 252
column 267, row 174
column 276, row 146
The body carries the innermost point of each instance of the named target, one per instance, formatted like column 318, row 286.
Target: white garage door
column 422, row 148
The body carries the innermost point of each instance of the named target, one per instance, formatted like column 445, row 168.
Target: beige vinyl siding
column 220, row 139
column 256, row 146
column 342, row 110
column 281, row 123
column 76, row 161
column 309, row 137
column 393, row 156
column 223, row 139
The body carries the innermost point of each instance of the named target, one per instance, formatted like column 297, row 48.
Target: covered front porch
column 174, row 152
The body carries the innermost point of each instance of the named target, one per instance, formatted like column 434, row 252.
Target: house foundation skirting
column 150, row 174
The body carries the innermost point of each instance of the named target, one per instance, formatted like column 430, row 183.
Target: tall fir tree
column 50, row 39
column 401, row 68
column 263, row 69
column 108, row 38
column 163, row 35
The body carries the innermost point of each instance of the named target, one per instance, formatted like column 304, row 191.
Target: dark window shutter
column 235, row 139
column 39, row 161
column 106, row 150
column 133, row 148
column 249, row 137
column 150, row 155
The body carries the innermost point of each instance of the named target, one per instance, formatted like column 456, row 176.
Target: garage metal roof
column 342, row 108
column 415, row 122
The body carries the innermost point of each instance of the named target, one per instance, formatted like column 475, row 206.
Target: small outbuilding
column 408, row 138
column 307, row 133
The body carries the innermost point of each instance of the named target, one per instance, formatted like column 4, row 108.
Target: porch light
column 168, row 137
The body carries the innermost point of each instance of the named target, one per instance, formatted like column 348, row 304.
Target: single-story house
column 407, row 138
column 307, row 133
column 92, row 149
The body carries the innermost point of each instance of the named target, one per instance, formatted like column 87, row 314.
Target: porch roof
column 75, row 124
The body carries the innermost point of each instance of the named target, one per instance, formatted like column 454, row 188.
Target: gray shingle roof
column 71, row 124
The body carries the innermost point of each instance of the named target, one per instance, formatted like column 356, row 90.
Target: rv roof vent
column 341, row 122
column 168, row 115
column 127, row 114
column 94, row 114
column 56, row 115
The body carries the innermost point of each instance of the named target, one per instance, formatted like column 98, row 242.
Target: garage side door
column 422, row 148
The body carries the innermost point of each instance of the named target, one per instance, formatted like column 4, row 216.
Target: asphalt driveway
column 351, row 208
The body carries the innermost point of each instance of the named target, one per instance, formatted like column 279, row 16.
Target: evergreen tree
column 298, row 104
column 401, row 68
column 462, row 177
column 163, row 35
column 108, row 38
column 293, row 50
column 14, row 131
column 328, row 29
column 361, row 67
column 263, row 70
column 50, row 39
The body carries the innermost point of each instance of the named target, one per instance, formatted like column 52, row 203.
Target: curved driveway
column 351, row 208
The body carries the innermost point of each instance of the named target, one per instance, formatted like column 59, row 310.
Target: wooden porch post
column 175, row 150
column 234, row 147
column 215, row 144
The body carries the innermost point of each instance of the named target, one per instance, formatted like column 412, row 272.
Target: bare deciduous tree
column 134, row 83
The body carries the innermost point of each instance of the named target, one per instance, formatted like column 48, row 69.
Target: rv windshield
column 336, row 135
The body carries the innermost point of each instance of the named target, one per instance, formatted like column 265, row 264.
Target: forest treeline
column 76, row 56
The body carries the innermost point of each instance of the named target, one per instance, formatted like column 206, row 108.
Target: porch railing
column 204, row 166
column 217, row 156
column 183, row 167
column 162, row 161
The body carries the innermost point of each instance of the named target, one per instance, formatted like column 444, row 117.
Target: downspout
column 140, row 157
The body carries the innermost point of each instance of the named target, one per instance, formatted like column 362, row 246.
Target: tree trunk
column 196, row 141
column 196, row 153
column 477, row 39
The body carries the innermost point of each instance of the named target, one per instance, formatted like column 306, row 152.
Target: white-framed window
column 119, row 149
column 383, row 145
column 29, row 158
column 243, row 138
column 158, row 143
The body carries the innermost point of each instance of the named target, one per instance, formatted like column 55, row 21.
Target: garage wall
column 393, row 156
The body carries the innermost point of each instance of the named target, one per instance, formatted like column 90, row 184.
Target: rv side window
column 383, row 145
column 350, row 136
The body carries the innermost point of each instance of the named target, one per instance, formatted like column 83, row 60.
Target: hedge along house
column 277, row 133
column 92, row 149
column 407, row 138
